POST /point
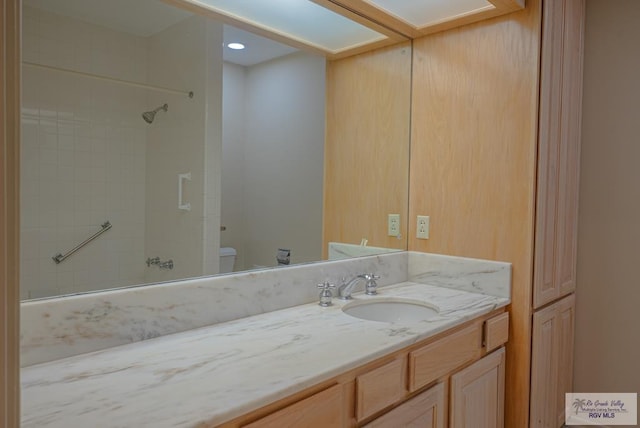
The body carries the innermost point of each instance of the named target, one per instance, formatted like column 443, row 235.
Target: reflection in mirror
column 366, row 153
column 272, row 153
column 137, row 114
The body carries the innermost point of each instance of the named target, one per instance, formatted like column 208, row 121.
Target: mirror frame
column 10, row 63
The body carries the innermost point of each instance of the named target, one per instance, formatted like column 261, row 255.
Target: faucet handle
column 153, row 261
column 326, row 285
column 371, row 285
column 325, row 293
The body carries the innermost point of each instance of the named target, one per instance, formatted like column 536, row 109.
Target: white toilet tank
column 227, row 259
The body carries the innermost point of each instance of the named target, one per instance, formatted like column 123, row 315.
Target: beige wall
column 273, row 145
column 607, row 348
column 233, row 175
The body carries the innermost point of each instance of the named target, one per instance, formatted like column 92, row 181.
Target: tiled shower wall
column 88, row 156
column 83, row 156
column 184, row 139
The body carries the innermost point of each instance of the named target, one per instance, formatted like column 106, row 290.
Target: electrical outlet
column 393, row 225
column 423, row 227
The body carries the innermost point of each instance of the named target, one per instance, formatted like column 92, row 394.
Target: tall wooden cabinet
column 554, row 274
column 552, row 362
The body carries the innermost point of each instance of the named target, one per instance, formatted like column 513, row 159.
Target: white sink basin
column 391, row 310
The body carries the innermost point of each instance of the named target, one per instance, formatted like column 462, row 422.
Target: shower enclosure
column 89, row 157
column 127, row 122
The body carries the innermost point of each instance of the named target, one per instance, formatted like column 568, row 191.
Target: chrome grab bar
column 59, row 258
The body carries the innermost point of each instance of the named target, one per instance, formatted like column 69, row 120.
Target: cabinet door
column 558, row 150
column 566, row 326
column 552, row 362
column 427, row 410
column 569, row 177
column 321, row 410
column 477, row 394
column 544, row 368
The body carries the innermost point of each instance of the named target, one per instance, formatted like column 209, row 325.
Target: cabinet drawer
column 381, row 387
column 321, row 410
column 427, row 410
column 443, row 356
column 496, row 331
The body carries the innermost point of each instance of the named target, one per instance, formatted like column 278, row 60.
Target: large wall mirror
column 152, row 151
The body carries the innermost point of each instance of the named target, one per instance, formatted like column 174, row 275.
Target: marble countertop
column 214, row 374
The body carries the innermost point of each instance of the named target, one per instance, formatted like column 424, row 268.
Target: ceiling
column 257, row 49
column 144, row 18
column 333, row 28
column 421, row 13
column 302, row 21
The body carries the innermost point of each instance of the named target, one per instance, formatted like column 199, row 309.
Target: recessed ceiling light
column 235, row 46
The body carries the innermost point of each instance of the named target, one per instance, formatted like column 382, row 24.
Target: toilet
column 227, row 259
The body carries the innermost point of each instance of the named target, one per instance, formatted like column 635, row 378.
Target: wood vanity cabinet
column 477, row 393
column 476, row 400
column 321, row 410
column 381, row 387
column 427, row 410
column 454, row 379
column 439, row 358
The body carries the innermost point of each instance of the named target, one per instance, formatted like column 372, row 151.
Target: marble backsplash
column 339, row 251
column 64, row 326
column 460, row 273
column 61, row 327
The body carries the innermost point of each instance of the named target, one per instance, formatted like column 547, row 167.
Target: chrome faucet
column 157, row 262
column 166, row 265
column 153, row 261
column 345, row 290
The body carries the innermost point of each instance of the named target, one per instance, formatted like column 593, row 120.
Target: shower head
column 148, row 116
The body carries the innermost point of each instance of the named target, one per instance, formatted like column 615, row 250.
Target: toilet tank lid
column 227, row 251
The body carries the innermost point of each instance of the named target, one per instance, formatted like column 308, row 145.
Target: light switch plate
column 422, row 231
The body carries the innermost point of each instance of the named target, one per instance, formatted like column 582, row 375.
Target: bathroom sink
column 391, row 310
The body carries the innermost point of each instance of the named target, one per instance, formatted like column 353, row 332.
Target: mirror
column 150, row 150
